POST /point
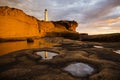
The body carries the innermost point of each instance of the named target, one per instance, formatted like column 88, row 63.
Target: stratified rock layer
column 14, row 23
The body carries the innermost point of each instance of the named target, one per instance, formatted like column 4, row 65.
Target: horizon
column 93, row 17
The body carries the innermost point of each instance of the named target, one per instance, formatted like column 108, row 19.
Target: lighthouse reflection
column 46, row 54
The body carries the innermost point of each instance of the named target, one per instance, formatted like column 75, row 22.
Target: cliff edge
column 14, row 23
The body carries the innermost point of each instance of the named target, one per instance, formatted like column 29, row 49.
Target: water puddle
column 117, row 51
column 79, row 69
column 46, row 54
column 98, row 47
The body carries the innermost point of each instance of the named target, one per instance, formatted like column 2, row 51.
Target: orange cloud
column 106, row 22
column 111, row 21
column 101, row 27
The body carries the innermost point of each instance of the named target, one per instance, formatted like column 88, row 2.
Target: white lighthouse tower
column 46, row 15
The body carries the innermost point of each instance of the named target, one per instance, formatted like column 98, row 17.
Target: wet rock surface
column 26, row 65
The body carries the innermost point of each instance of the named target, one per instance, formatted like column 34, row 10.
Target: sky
column 93, row 16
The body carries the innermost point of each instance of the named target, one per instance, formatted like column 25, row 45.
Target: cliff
column 51, row 28
column 14, row 23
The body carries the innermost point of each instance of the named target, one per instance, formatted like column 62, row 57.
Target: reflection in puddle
column 7, row 47
column 46, row 54
column 98, row 47
column 117, row 51
column 79, row 69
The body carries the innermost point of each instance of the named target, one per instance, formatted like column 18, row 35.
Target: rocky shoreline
column 26, row 65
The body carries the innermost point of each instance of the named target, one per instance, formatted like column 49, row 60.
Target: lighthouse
column 46, row 15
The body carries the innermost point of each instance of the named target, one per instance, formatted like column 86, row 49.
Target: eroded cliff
column 15, row 23
column 52, row 27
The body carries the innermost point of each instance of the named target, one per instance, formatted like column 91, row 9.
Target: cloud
column 99, row 10
column 86, row 10
column 101, row 27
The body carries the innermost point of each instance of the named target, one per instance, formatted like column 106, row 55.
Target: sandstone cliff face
column 68, row 25
column 15, row 23
column 56, row 26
